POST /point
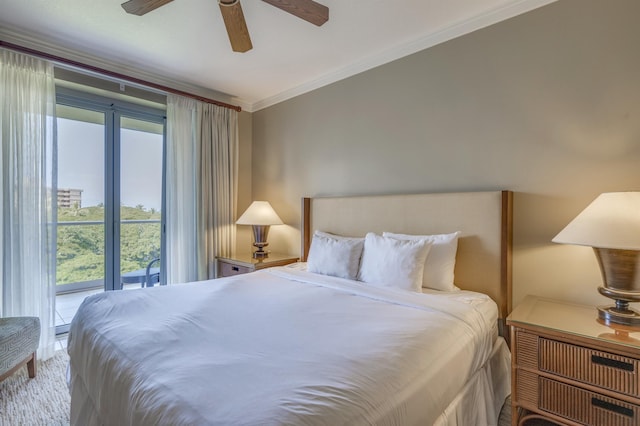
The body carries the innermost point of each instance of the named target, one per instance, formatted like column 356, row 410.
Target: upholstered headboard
column 483, row 261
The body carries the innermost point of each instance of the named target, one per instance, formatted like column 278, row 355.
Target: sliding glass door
column 141, row 159
column 81, row 199
column 110, row 162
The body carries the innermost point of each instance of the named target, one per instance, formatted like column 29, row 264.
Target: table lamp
column 611, row 225
column 260, row 215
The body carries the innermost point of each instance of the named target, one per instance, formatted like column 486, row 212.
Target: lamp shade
column 259, row 213
column 611, row 221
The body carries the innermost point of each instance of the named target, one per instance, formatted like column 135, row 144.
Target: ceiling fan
column 233, row 17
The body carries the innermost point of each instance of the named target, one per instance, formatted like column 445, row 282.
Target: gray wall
column 546, row 104
column 245, row 137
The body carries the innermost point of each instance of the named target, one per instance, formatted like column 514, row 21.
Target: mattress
column 280, row 347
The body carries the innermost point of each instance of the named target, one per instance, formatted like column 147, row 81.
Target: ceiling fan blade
column 236, row 25
column 140, row 7
column 308, row 10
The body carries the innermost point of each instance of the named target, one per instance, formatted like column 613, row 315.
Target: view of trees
column 80, row 252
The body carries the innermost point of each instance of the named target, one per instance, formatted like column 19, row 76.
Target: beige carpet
column 41, row 401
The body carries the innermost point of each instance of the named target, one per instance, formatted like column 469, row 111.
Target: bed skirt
column 482, row 398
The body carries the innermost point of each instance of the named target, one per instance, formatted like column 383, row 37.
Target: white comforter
column 276, row 347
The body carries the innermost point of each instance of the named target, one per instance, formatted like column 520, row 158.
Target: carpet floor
column 505, row 414
column 44, row 400
column 41, row 401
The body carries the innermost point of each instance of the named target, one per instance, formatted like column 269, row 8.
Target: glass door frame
column 114, row 110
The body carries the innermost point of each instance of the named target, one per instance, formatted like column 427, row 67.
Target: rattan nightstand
column 570, row 369
column 243, row 264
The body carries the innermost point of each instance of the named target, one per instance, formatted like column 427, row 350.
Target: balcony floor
column 67, row 304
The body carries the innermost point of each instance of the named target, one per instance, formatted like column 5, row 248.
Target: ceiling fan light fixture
column 228, row 3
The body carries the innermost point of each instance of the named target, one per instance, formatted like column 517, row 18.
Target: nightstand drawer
column 227, row 269
column 585, row 407
column 598, row 368
column 601, row 369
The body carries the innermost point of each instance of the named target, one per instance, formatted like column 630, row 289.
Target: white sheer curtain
column 27, row 234
column 181, row 228
column 202, row 145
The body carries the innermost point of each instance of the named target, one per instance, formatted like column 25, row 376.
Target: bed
column 290, row 346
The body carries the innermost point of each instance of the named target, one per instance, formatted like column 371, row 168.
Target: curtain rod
column 113, row 74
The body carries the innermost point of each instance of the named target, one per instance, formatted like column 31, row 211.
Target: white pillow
column 390, row 262
column 441, row 261
column 338, row 257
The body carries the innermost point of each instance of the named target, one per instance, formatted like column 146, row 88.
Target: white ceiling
column 184, row 44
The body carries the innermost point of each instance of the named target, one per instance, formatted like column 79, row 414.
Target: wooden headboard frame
column 483, row 261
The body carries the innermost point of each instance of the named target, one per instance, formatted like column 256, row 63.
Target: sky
column 81, row 155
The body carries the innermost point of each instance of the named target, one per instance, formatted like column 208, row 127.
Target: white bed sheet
column 279, row 346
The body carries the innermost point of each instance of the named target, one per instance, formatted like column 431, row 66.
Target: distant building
column 68, row 197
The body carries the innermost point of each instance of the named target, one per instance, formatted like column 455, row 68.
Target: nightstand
column 243, row 264
column 570, row 369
